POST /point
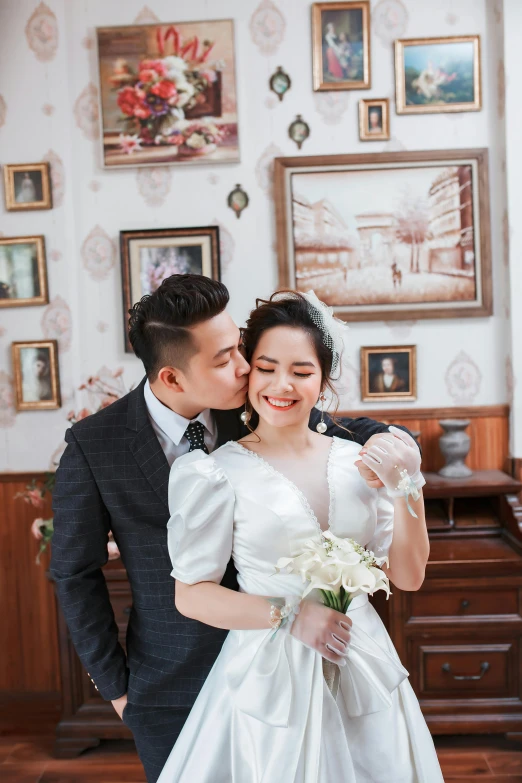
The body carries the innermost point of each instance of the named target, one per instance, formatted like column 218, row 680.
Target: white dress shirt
column 170, row 427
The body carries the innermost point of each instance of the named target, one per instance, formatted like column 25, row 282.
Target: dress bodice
column 234, row 503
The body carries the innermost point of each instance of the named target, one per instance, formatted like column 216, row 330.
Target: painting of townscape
column 168, row 93
column 388, row 238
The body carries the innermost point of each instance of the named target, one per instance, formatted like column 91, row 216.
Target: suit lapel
column 145, row 446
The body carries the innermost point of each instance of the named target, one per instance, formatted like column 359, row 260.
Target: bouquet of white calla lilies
column 339, row 568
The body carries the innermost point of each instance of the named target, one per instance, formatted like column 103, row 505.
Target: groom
column 114, row 476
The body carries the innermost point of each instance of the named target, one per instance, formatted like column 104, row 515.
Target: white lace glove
column 396, row 459
column 324, row 630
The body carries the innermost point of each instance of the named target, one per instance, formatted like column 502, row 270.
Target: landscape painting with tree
column 389, row 239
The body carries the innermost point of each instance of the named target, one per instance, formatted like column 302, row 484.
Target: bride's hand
column 390, row 454
column 324, row 630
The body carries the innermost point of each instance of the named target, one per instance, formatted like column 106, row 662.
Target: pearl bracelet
column 283, row 612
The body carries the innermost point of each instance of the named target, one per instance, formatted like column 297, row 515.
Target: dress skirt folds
column 265, row 713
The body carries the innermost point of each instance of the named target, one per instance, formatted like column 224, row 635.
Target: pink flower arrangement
column 154, row 97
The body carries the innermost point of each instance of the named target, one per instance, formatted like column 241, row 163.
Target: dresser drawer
column 478, row 671
column 464, row 602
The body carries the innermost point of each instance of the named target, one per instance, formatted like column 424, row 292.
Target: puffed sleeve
column 382, row 537
column 200, row 528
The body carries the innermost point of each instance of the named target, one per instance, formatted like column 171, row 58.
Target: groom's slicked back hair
column 159, row 324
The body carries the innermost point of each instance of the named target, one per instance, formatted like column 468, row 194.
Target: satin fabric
column 265, row 713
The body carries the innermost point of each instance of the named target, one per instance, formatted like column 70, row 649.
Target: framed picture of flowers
column 151, row 255
column 168, row 93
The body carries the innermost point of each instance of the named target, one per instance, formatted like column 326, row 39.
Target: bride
column 266, row 713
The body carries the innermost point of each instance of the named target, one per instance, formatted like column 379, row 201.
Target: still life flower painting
column 168, row 93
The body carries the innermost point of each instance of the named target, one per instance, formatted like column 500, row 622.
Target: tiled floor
column 27, row 738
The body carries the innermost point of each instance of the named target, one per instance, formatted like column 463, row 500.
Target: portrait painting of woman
column 341, row 46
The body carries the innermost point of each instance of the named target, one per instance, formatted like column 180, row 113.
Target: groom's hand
column 120, row 704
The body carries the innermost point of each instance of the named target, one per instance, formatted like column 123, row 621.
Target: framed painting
column 341, row 46
column 151, row 255
column 389, row 373
column 374, row 119
column 168, row 93
column 23, row 273
column 37, row 378
column 394, row 235
column 27, row 186
column 438, row 75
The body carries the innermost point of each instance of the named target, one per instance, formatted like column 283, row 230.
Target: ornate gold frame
column 367, row 395
column 43, row 297
column 56, row 401
column 400, row 88
column 364, row 105
column 10, row 169
column 317, row 46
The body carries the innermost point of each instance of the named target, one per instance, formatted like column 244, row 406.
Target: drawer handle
column 464, row 603
column 127, row 610
column 484, row 666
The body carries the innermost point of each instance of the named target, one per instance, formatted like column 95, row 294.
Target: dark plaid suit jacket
column 114, row 476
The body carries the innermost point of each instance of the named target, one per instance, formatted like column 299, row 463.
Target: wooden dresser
column 460, row 636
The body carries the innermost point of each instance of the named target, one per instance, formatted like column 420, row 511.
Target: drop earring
column 322, row 426
column 245, row 416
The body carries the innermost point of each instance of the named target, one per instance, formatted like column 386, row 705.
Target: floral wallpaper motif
column 57, row 177
column 3, row 111
column 451, row 18
column 400, row 330
column 102, row 326
column 55, row 255
column 94, row 185
column 389, row 20
column 154, row 184
column 57, row 323
column 267, row 27
column 42, row 33
column 349, row 387
column 463, row 379
column 331, row 106
column 7, row 407
column 98, row 254
column 86, row 112
column 226, row 245
column 265, row 167
column 48, row 109
column 146, row 16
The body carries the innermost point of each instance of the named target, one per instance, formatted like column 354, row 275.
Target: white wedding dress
column 265, row 713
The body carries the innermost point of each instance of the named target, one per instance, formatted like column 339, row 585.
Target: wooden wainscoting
column 489, row 431
column 28, row 631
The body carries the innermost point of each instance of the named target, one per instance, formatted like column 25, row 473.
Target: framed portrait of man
column 389, row 373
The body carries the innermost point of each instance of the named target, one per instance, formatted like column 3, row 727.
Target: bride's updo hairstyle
column 290, row 308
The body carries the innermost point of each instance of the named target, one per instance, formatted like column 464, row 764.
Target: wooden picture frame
column 27, row 186
column 428, row 80
column 168, row 94
column 368, row 109
column 144, row 256
column 341, row 46
column 389, row 373
column 338, row 215
column 36, row 375
column 23, row 272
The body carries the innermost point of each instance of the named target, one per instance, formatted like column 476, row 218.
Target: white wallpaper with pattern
column 49, row 111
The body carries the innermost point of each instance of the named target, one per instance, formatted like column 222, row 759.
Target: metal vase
column 454, row 445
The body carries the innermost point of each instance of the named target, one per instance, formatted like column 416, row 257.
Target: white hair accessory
column 331, row 328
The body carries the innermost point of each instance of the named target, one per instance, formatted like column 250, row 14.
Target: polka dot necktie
column 195, row 434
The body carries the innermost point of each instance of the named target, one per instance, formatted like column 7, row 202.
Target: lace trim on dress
column 302, row 497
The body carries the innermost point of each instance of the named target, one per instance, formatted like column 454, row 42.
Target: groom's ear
column 171, row 378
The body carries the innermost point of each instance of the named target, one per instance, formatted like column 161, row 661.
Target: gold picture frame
column 27, row 186
column 21, row 286
column 36, row 374
column 341, row 46
column 389, row 373
column 378, row 108
column 428, row 80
